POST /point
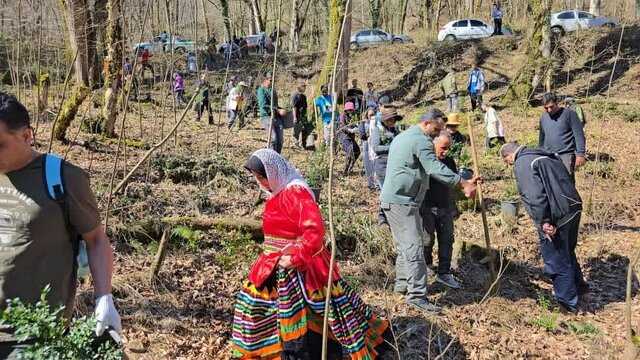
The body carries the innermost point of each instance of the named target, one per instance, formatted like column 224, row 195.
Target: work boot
column 448, row 280
column 424, row 305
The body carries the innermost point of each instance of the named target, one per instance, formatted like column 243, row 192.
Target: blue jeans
column 561, row 264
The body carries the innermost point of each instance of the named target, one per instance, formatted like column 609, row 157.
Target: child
column 178, row 89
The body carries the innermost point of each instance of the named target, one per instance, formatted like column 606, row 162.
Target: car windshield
column 477, row 23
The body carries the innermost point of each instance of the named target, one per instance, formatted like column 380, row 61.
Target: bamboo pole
column 273, row 73
column 485, row 225
column 332, row 236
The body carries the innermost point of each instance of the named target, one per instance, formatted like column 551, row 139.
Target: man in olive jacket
column 411, row 163
column 554, row 205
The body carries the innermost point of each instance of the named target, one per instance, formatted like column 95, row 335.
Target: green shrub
column 510, row 192
column 191, row 239
column 548, row 320
column 631, row 115
column 238, row 248
column 317, row 171
column 583, row 328
column 47, row 328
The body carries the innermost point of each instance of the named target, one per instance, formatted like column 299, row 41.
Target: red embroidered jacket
column 293, row 225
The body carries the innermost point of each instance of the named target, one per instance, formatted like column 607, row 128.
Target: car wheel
column 557, row 30
column 450, row 37
column 397, row 41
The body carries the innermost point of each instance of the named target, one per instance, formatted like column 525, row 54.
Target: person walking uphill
column 475, row 86
column 279, row 311
column 554, row 205
column 268, row 111
column 412, row 162
column 45, row 204
column 562, row 133
column 381, row 134
column 450, row 90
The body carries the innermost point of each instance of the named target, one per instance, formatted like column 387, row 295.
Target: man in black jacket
column 552, row 201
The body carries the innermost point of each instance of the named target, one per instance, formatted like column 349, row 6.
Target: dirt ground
column 187, row 312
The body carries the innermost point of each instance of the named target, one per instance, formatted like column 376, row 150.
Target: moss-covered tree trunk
column 375, row 10
column 112, row 67
column 337, row 12
column 78, row 22
column 531, row 73
column 224, row 6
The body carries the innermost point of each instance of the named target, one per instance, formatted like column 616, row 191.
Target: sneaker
column 448, row 280
column 425, row 306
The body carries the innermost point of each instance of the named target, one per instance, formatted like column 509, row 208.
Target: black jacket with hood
column 546, row 188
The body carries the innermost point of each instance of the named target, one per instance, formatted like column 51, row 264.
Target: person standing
column 356, row 96
column 364, row 131
column 268, row 110
column 278, row 307
column 178, row 89
column 458, row 140
column 450, row 90
column 553, row 203
column 475, row 86
column 381, row 135
column 562, row 133
column 411, row 163
column 40, row 236
column 438, row 213
column 192, row 64
column 235, row 100
column 302, row 127
column 347, row 130
column 496, row 15
column 202, row 100
column 371, row 97
column 127, row 67
column 324, row 106
column 493, row 126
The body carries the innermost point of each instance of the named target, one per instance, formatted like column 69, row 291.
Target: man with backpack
column 46, row 206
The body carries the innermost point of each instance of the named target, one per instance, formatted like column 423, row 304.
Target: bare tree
column 595, row 6
column 257, row 20
column 113, row 66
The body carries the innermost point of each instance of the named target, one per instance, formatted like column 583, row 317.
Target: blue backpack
column 54, row 183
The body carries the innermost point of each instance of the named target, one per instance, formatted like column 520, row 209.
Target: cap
column 349, row 106
column 389, row 114
column 453, row 119
column 242, row 83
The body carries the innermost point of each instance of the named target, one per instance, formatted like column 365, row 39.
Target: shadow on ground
column 418, row 338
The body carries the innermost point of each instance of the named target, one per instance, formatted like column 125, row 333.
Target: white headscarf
column 280, row 173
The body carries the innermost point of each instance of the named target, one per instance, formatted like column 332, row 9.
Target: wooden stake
column 157, row 262
column 485, row 225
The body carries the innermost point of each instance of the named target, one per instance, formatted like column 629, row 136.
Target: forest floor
column 187, row 312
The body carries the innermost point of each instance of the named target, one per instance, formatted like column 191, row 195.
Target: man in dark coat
column 552, row 201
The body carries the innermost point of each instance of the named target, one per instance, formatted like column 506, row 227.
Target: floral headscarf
column 280, row 173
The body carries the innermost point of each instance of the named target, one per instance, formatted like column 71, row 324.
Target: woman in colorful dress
column 280, row 309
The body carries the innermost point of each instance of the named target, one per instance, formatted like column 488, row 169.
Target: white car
column 572, row 20
column 465, row 29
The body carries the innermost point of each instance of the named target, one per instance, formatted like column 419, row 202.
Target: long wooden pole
column 273, row 73
column 485, row 225
column 332, row 236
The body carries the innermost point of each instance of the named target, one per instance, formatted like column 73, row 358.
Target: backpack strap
column 53, row 177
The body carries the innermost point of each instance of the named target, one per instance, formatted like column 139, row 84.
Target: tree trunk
column 530, row 74
column 256, row 15
column 403, row 15
column 293, row 28
column 637, row 9
column 224, row 6
column 78, row 21
column 206, row 19
column 595, row 7
column 375, row 9
column 113, row 67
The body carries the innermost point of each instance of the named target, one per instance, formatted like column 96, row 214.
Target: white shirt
column 493, row 124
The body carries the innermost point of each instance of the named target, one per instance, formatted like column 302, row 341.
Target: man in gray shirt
column 562, row 133
column 411, row 164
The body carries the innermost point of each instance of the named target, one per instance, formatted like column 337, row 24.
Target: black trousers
column 476, row 101
column 497, row 27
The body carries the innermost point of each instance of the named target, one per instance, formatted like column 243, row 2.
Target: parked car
column 465, row 29
column 572, row 20
column 372, row 37
column 253, row 42
column 157, row 45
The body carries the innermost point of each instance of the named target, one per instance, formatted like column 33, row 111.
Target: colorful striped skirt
column 283, row 320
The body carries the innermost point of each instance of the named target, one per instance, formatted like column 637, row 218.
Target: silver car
column 465, row 29
column 372, row 37
column 571, row 20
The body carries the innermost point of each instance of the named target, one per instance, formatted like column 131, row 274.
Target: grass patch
column 548, row 319
column 583, row 328
column 184, row 236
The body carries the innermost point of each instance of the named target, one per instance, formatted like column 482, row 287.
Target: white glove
column 107, row 315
